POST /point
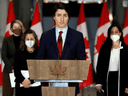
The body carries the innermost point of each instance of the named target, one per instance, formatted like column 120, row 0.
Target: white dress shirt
column 114, row 59
column 63, row 34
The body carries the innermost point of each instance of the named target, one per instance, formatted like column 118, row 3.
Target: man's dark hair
column 61, row 6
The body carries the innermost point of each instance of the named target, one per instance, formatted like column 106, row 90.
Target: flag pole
column 82, row 90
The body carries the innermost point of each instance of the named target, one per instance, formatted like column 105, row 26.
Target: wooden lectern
column 58, row 71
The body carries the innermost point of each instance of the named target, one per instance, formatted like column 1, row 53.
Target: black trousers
column 31, row 91
column 113, row 83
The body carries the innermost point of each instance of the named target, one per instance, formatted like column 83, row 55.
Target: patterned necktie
column 59, row 43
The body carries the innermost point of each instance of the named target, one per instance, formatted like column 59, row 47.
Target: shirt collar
column 64, row 30
column 121, row 47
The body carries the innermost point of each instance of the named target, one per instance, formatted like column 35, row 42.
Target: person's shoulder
column 75, row 32
column 8, row 38
column 124, row 46
column 104, row 47
column 49, row 31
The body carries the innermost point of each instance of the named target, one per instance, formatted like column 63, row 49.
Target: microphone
column 59, row 40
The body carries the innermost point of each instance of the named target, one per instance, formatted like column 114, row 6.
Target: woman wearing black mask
column 9, row 47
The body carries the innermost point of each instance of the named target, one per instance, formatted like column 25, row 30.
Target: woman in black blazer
column 112, row 65
column 9, row 46
column 28, row 50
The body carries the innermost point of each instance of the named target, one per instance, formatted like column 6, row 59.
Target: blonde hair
column 20, row 23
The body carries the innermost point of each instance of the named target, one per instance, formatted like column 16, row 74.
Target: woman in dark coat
column 9, row 47
column 28, row 50
column 112, row 65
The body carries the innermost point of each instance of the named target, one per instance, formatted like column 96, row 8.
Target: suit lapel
column 121, row 54
column 107, row 58
column 53, row 41
column 67, row 41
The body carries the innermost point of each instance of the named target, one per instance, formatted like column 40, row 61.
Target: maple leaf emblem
column 126, row 39
column 86, row 55
column 57, row 70
column 86, row 42
column 7, row 34
column 100, row 41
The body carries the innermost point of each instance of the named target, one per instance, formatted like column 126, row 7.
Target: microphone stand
column 59, row 40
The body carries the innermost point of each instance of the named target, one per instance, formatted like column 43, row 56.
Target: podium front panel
column 58, row 69
column 58, row 91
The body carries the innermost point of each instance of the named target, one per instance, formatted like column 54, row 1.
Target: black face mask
column 17, row 31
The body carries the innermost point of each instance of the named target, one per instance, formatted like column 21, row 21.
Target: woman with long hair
column 112, row 64
column 9, row 47
column 28, row 50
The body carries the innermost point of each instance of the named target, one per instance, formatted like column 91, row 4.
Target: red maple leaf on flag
column 1, row 74
column 86, row 42
column 7, row 34
column 86, row 55
column 126, row 39
column 100, row 41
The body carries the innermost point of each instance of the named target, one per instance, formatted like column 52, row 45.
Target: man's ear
column 54, row 18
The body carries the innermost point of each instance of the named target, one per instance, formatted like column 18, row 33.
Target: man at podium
column 62, row 42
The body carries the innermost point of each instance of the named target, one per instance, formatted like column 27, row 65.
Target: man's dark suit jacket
column 73, row 48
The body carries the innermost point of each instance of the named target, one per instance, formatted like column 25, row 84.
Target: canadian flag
column 125, row 27
column 1, row 71
column 10, row 18
column 36, row 21
column 101, row 34
column 81, row 26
